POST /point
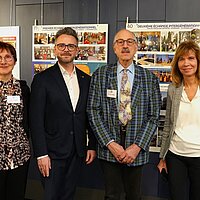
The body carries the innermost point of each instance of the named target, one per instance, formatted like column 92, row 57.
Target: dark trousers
column 13, row 183
column 119, row 178
column 61, row 183
column 181, row 170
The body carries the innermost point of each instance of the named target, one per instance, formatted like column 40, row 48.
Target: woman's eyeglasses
column 6, row 58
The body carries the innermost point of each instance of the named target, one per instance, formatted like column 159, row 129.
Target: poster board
column 10, row 34
column 157, row 43
column 93, row 45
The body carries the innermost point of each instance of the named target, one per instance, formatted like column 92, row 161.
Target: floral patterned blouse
column 14, row 143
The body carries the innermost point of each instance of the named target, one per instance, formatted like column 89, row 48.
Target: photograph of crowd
column 164, row 74
column 148, row 41
column 163, row 59
column 92, row 37
column 91, row 53
column 169, row 41
column 44, row 53
column 44, row 38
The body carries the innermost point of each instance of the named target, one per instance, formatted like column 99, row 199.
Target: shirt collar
column 198, row 92
column 130, row 68
column 64, row 72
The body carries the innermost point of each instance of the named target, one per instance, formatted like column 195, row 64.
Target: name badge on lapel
column 111, row 93
column 13, row 99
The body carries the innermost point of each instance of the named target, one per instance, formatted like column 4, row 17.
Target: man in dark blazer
column 123, row 146
column 58, row 120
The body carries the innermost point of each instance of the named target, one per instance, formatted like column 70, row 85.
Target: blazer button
column 71, row 132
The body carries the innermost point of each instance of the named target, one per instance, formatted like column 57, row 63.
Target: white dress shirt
column 186, row 140
column 71, row 82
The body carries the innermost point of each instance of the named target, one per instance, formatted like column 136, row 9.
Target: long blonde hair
column 183, row 48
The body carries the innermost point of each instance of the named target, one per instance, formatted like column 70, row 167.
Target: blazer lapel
column 57, row 75
column 112, row 85
column 176, row 101
column 136, row 89
column 81, row 83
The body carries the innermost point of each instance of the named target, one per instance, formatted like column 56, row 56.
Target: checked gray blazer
column 172, row 110
column 103, row 111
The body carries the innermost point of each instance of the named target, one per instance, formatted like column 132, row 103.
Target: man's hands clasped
column 125, row 156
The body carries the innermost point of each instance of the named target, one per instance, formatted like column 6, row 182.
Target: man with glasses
column 58, row 120
column 123, row 109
